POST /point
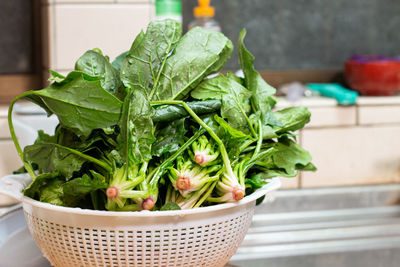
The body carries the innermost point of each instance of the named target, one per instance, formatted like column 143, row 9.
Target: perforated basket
column 206, row 236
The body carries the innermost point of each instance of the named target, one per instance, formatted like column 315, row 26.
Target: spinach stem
column 82, row 155
column 253, row 132
column 206, row 194
column 27, row 165
column 156, row 174
column 259, row 141
column 222, row 148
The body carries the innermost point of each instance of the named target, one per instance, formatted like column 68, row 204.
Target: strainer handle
column 12, row 185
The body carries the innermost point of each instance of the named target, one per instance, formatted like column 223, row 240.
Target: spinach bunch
column 151, row 130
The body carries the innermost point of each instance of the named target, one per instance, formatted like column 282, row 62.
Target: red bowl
column 371, row 75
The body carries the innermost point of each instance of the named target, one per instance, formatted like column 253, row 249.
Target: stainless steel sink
column 349, row 226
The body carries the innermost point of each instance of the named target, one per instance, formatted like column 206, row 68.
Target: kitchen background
column 356, row 148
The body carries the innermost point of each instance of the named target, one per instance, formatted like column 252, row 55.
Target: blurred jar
column 204, row 16
column 169, row 9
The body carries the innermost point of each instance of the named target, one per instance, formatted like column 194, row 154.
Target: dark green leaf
column 33, row 190
column 170, row 138
column 52, row 158
column 79, row 102
column 232, row 138
column 78, row 188
column 174, row 112
column 52, row 193
column 255, row 182
column 170, row 206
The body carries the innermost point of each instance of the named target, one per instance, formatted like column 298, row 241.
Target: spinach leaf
column 56, row 77
column 270, row 173
column 52, row 192
column 170, row 206
column 286, row 155
column 198, row 54
column 262, row 100
column 51, row 157
column 229, row 130
column 97, row 65
column 136, row 127
column 79, row 102
column 234, row 99
column 146, row 59
column 231, row 137
column 174, row 112
column 308, row 167
column 255, row 181
column 117, row 62
column 33, row 190
column 236, row 78
column 170, row 138
column 292, row 118
column 78, row 188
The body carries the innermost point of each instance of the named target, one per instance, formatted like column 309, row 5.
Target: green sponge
column 342, row 95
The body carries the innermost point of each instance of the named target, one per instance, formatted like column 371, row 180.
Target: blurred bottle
column 169, row 9
column 204, row 16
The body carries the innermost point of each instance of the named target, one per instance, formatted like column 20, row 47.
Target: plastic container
column 207, row 236
column 169, row 9
column 373, row 75
column 204, row 16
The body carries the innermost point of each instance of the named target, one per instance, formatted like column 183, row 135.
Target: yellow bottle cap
column 204, row 9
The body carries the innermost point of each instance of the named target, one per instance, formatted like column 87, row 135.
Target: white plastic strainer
column 207, row 236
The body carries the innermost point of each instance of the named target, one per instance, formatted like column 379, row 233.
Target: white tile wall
column 378, row 100
column 73, row 27
column 9, row 159
column 290, row 183
column 352, row 156
column 379, row 114
column 332, row 116
column 48, row 37
column 4, row 130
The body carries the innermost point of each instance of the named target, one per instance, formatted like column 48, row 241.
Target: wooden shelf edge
column 15, row 84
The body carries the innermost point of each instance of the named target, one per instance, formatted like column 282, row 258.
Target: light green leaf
column 234, row 99
column 136, row 126
column 292, row 118
column 262, row 100
column 145, row 61
column 97, row 65
column 198, row 54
